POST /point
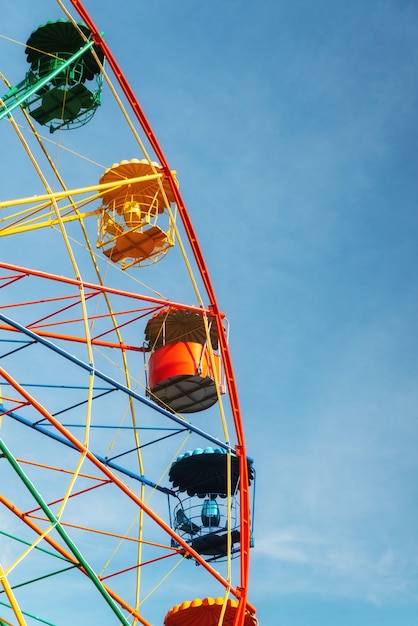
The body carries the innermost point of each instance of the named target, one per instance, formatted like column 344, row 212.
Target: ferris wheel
column 123, row 461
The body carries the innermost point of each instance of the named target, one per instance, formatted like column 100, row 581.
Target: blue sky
column 292, row 126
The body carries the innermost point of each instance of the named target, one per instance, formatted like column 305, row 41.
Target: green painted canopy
column 61, row 38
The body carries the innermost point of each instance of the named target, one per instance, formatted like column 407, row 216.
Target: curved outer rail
column 213, row 306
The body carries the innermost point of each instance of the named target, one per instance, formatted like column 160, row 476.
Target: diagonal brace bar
column 27, row 94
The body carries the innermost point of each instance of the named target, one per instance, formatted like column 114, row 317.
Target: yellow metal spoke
column 58, row 195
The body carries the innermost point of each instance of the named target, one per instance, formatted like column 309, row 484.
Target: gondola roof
column 62, row 36
column 204, row 471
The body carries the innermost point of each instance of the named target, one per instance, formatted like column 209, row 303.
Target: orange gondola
column 184, row 369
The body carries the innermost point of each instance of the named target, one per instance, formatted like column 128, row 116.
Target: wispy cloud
column 301, row 561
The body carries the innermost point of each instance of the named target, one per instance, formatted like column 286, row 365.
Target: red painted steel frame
column 213, row 306
column 95, row 289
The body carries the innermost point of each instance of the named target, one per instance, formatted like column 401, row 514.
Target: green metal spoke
column 34, row 580
column 63, row 534
column 26, row 614
column 28, row 543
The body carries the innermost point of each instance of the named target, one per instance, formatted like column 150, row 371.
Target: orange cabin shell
column 181, row 376
column 184, row 372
